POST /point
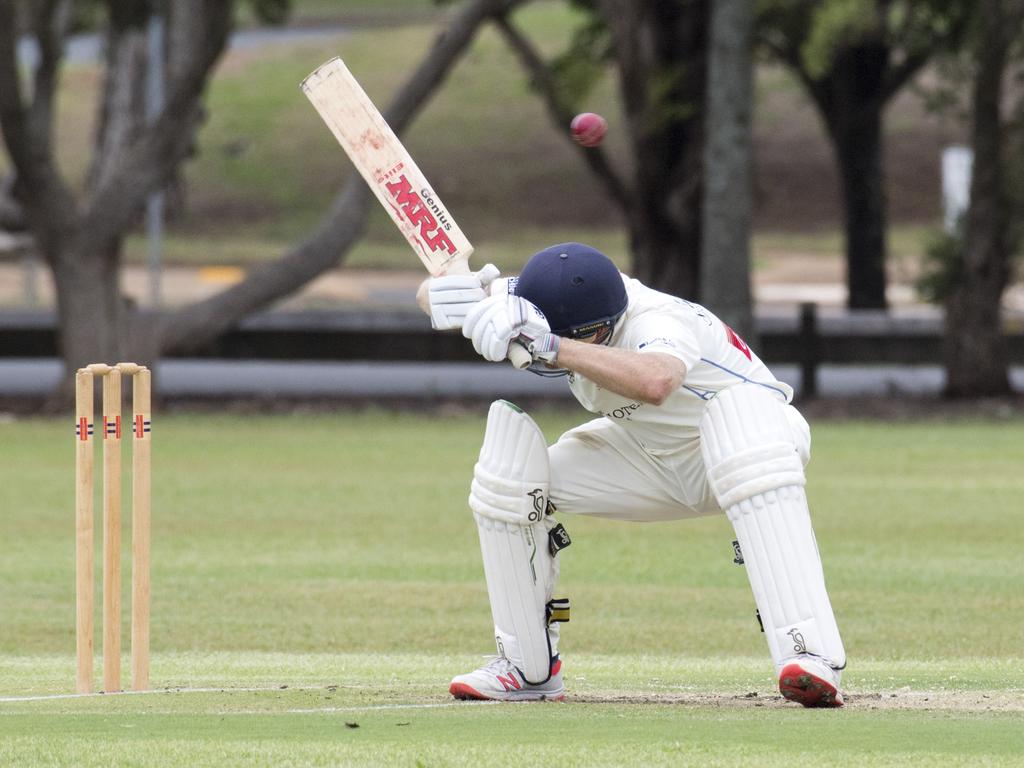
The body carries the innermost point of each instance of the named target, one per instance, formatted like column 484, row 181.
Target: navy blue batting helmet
column 578, row 288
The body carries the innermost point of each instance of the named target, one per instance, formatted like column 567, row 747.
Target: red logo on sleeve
column 737, row 342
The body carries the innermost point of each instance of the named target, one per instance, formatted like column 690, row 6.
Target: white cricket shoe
column 810, row 681
column 498, row 679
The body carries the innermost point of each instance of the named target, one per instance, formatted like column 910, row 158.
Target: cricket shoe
column 810, row 681
column 499, row 680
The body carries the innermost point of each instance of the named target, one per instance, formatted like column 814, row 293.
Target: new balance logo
column 509, row 682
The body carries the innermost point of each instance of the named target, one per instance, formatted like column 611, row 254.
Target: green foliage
column 942, row 266
column 948, row 94
column 87, row 16
column 836, row 25
column 271, row 11
column 810, row 34
column 943, row 261
column 666, row 107
column 918, row 26
column 579, row 68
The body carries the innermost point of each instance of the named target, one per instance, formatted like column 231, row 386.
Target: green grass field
column 316, row 582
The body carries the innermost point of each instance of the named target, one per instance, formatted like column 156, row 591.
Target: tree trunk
column 854, row 118
column 974, row 349
column 123, row 109
column 666, row 252
column 661, row 52
column 90, row 309
column 974, row 346
column 725, row 274
column 860, row 166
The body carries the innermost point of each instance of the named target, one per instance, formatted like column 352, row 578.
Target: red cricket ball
column 588, row 129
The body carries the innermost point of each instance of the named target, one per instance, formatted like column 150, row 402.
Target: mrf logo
column 413, row 209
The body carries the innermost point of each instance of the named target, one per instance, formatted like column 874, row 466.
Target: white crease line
column 311, row 711
column 369, row 708
column 161, row 691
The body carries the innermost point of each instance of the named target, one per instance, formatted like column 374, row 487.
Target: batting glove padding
column 495, row 322
column 452, row 296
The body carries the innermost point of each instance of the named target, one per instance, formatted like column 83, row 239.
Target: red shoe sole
column 464, row 692
column 799, row 685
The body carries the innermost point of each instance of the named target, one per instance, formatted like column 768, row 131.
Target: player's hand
column 451, row 297
column 496, row 321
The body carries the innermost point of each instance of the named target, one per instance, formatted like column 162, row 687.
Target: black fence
column 809, row 338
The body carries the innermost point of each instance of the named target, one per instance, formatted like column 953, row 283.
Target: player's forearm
column 648, row 377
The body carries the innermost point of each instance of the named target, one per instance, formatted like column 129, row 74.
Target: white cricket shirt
column 714, row 356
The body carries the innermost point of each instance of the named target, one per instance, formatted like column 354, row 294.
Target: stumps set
column 111, row 432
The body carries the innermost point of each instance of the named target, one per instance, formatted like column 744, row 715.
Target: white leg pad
column 521, row 575
column 509, row 499
column 757, row 476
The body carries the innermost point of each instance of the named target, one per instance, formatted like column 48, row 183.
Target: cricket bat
column 400, row 186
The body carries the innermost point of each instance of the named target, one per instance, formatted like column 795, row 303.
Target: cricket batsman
column 689, row 422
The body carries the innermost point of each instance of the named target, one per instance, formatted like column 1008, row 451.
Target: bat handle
column 519, row 356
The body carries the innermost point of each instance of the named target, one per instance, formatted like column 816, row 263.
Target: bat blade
column 390, row 172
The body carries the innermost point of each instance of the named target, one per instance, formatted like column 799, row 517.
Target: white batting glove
column 451, row 297
column 496, row 321
column 502, row 286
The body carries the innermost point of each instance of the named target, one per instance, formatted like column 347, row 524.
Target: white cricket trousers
column 600, row 469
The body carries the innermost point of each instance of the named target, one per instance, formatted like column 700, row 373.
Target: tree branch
column 561, row 113
column 149, row 162
column 50, row 22
column 50, row 205
column 790, row 56
column 898, row 75
column 13, row 119
column 957, row 21
column 784, row 53
column 196, row 325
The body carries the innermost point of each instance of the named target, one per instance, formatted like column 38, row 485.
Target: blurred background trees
column 658, row 54
column 676, row 79
column 853, row 57
column 80, row 232
column 980, row 269
column 80, row 235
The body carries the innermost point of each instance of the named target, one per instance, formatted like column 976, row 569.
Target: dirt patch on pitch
column 963, row 701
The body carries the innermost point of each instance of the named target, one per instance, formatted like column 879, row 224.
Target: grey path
column 427, row 381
